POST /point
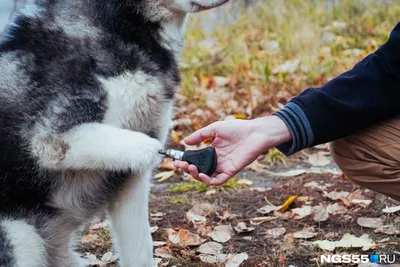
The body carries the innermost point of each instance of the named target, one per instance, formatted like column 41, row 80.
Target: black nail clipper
column 205, row 159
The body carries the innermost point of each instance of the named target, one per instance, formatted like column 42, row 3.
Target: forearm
column 353, row 101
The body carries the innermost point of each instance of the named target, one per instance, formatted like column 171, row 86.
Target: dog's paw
column 147, row 153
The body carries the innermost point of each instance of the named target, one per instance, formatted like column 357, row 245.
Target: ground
column 234, row 204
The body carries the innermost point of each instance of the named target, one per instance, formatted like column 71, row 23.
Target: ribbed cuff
column 299, row 126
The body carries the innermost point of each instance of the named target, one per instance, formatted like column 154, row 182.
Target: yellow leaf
column 287, row 203
column 240, row 116
column 175, row 137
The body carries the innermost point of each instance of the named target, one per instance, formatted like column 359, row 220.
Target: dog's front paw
column 148, row 154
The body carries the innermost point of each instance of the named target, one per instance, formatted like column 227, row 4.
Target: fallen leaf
column 245, row 182
column 167, row 164
column 302, row 212
column 282, row 258
column 198, row 212
column 387, row 229
column 236, row 260
column 260, row 220
column 156, row 262
column 306, row 233
column 109, row 257
column 335, row 195
column 163, row 252
column 361, row 202
column 204, row 230
column 267, row 209
column 225, row 215
column 276, row 232
column 391, row 209
column 157, row 214
column 163, row 176
column 347, row 241
column 287, row 203
column 90, row 259
column 210, row 248
column 88, row 238
column 370, row 222
column 320, row 213
column 100, row 225
column 213, row 258
column 221, row 233
column 183, row 238
column 153, row 229
column 314, row 185
column 318, row 159
column 159, row 243
column 242, row 228
column 336, row 209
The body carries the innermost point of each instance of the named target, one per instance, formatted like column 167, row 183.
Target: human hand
column 238, row 143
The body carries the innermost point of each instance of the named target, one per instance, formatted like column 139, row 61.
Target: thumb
column 202, row 134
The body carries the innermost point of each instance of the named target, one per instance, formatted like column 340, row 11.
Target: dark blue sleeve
column 355, row 100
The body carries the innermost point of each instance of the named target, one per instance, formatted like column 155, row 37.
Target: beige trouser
column 371, row 158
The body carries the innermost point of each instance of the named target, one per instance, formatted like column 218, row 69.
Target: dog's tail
column 20, row 245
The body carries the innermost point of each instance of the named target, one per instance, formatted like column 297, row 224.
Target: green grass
column 298, row 27
column 199, row 187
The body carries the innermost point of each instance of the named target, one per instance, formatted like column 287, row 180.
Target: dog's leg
column 130, row 223
column 95, row 146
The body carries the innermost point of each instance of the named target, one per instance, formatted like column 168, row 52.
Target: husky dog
column 86, row 93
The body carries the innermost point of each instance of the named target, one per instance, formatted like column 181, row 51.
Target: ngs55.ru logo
column 372, row 258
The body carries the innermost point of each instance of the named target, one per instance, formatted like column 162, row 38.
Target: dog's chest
column 134, row 101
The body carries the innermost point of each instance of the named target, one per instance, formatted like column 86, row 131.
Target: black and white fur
column 86, row 93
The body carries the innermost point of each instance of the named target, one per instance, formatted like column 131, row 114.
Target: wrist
column 274, row 130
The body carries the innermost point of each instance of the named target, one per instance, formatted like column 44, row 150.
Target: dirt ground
column 244, row 202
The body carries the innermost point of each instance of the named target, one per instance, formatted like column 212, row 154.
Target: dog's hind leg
column 130, row 223
column 20, row 245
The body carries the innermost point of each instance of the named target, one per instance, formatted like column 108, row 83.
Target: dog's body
column 86, row 93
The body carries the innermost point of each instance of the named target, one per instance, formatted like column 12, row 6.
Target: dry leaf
column 267, row 209
column 387, row 229
column 276, row 232
column 183, row 238
column 242, row 228
column 305, row 233
column 204, row 230
column 210, row 248
column 88, row 238
column 314, row 185
column 370, row 222
column 302, row 212
column 221, row 233
column 321, row 214
column 236, row 260
column 287, row 203
column 347, row 241
column 213, row 258
column 163, row 176
column 335, row 195
column 197, row 212
column 336, row 209
column 361, row 202
column 391, row 209
column 109, row 257
column 260, row 220
column 225, row 215
column 167, row 164
column 318, row 160
column 163, row 252
column 156, row 262
column 153, row 229
column 159, row 243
